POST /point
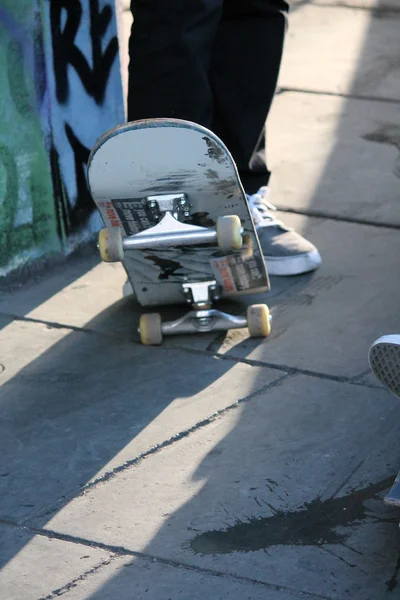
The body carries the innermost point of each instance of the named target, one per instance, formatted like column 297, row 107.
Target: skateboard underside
column 135, row 168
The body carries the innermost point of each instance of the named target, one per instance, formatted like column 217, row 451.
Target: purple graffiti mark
column 16, row 31
column 25, row 63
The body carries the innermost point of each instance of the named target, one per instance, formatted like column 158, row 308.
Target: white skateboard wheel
column 258, row 320
column 110, row 245
column 150, row 329
column 229, row 233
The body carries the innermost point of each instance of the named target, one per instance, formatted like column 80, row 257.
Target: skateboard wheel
column 150, row 329
column 229, row 233
column 258, row 320
column 110, row 245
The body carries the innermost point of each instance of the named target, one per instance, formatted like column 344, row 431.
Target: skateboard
column 177, row 217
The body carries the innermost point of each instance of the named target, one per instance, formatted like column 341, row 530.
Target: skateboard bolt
column 204, row 320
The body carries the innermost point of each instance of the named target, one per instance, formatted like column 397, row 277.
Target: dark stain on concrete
column 314, row 524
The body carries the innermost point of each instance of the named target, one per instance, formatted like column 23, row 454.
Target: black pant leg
column 170, row 52
column 246, row 60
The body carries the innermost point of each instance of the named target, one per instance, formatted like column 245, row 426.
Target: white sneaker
column 384, row 360
column 285, row 251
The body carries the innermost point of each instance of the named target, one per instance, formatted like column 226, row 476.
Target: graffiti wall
column 60, row 89
column 27, row 211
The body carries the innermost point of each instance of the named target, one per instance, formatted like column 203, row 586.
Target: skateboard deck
column 134, row 165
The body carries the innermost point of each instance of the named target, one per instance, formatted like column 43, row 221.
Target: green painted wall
column 60, row 90
column 27, row 210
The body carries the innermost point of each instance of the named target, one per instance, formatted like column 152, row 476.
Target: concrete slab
column 21, row 345
column 38, row 567
column 377, row 5
column 328, row 322
column 92, row 301
column 286, row 490
column 143, row 580
column 336, row 157
column 91, row 404
column 69, row 297
column 22, row 298
column 358, row 51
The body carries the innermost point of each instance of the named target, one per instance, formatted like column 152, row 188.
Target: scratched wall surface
column 60, row 89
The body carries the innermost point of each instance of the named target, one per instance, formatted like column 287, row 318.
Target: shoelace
column 261, row 209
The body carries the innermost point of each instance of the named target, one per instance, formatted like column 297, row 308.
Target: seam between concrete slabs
column 186, row 349
column 122, row 551
column 376, row 11
column 125, row 466
column 82, row 577
column 121, row 468
column 349, row 96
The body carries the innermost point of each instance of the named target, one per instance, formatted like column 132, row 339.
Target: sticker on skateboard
column 177, row 217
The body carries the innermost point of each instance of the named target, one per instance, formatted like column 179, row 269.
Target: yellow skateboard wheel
column 229, row 233
column 110, row 245
column 150, row 329
column 258, row 320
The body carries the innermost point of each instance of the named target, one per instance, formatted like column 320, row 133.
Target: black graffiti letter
column 84, row 204
column 65, row 51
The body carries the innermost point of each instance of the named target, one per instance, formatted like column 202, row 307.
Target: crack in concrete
column 74, row 582
column 57, row 325
column 280, row 367
column 122, row 551
column 348, row 96
column 316, row 214
column 235, row 359
column 109, row 475
column 383, row 11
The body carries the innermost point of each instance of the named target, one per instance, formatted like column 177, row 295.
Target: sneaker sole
column 384, row 360
column 293, row 265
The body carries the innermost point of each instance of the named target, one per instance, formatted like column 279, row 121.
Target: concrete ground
column 219, row 466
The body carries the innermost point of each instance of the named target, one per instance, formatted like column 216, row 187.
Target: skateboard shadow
column 92, row 399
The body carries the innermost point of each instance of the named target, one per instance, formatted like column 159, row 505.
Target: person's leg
column 245, row 63
column 170, row 50
column 176, row 70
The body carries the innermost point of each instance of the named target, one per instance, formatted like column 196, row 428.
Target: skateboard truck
column 203, row 318
column 169, row 211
